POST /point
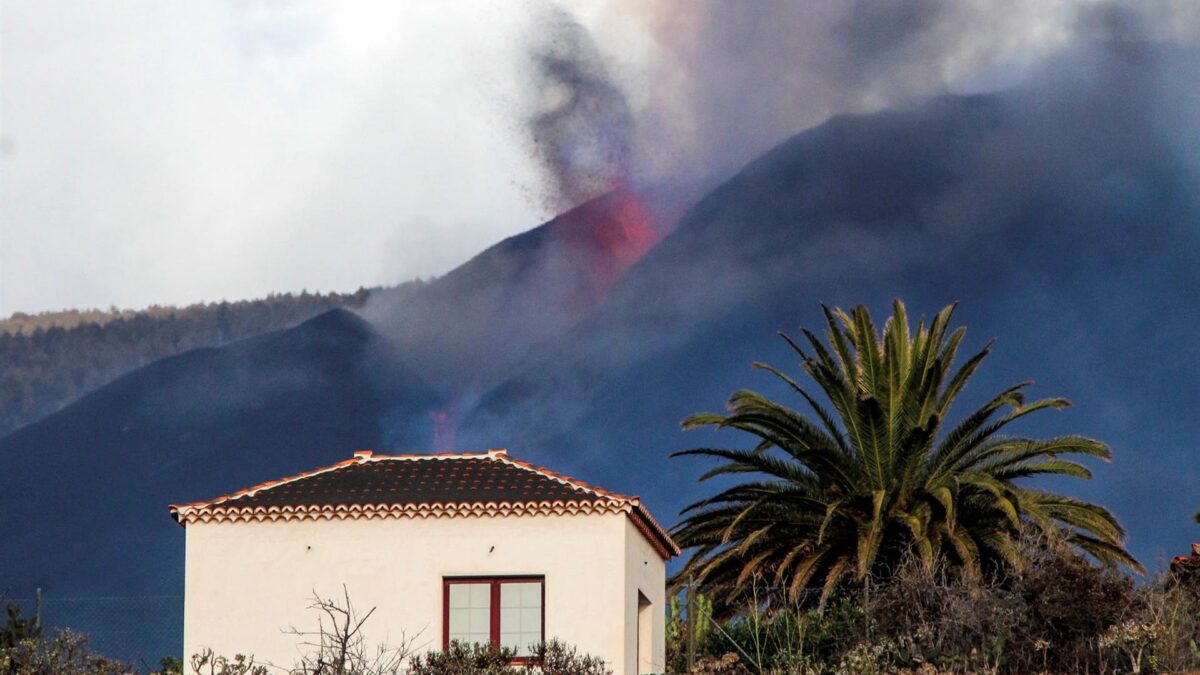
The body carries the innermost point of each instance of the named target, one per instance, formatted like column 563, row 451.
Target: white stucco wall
column 246, row 583
column 645, row 573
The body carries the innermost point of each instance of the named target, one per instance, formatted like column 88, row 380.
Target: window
column 502, row 611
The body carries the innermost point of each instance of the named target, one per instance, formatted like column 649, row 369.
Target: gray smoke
column 727, row 80
column 581, row 127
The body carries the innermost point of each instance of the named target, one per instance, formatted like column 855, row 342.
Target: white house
column 471, row 547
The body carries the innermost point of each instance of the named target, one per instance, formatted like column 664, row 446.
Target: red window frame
column 496, row 582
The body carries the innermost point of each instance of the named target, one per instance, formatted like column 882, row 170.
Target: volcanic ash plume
column 581, row 127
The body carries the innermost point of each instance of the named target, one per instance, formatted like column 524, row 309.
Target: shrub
column 551, row 658
column 556, row 658
column 66, row 653
column 466, row 659
column 944, row 618
column 1061, row 614
column 209, row 663
column 1174, row 613
column 1069, row 603
column 17, row 628
column 788, row 639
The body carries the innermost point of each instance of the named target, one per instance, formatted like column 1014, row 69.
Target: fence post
column 691, row 624
column 37, row 609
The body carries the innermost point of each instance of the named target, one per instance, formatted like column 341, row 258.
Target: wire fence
column 139, row 630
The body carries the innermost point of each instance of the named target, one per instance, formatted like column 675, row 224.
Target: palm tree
column 842, row 495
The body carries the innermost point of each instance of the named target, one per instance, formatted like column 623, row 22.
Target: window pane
column 481, row 595
column 513, row 641
column 481, row 620
column 531, row 595
column 470, row 612
column 510, row 619
column 521, row 641
column 531, row 619
column 521, row 594
column 460, row 596
column 521, row 615
column 459, row 622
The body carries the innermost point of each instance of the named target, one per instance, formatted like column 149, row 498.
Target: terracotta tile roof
column 1187, row 564
column 423, row 486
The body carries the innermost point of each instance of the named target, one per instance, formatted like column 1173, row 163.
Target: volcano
column 583, row 342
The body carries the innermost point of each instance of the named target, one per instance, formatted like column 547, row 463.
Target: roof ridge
column 267, row 485
column 563, row 478
column 411, row 457
column 364, row 456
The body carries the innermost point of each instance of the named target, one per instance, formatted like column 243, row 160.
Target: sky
column 170, row 152
column 174, row 152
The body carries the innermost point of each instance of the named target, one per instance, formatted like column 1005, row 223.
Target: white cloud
column 169, row 152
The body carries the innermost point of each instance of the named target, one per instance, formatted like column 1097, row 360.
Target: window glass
column 520, row 615
column 470, row 612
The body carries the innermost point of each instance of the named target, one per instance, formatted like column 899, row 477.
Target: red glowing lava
column 604, row 238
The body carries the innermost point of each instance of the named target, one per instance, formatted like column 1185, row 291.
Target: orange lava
column 604, row 238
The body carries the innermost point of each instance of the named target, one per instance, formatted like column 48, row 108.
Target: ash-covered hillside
column 49, row 360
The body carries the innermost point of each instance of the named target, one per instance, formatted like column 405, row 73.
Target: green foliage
column 18, row 629
column 842, row 495
column 788, row 639
column 170, row 665
column 472, row 659
column 557, row 658
column 551, row 658
column 1061, row 614
column 678, row 625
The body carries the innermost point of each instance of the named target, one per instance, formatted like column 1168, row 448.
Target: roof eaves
column 641, row 517
column 658, row 536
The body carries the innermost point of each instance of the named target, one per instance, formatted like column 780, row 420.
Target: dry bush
column 1170, row 614
column 1070, row 604
column 209, row 663
column 728, row 664
column 1050, row 617
column 338, row 646
column 66, row 653
column 946, row 619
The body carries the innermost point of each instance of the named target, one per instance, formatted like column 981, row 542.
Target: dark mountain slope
column 172, row 431
column 1062, row 216
column 50, row 360
column 85, row 491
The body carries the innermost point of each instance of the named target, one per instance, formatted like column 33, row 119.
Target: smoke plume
column 724, row 81
column 581, row 127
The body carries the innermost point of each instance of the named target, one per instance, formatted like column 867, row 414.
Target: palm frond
column 865, row 474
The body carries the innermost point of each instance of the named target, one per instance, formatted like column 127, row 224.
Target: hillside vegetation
column 51, row 359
